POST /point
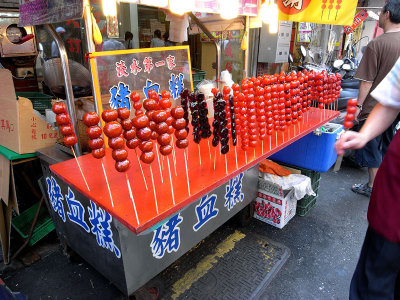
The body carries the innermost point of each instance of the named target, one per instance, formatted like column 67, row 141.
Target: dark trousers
column 377, row 272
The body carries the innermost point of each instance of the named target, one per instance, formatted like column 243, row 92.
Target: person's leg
column 377, row 269
column 358, row 283
column 371, row 157
column 372, row 174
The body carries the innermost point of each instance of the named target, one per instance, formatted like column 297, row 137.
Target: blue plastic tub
column 314, row 152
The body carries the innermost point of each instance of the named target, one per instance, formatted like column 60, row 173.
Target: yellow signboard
column 336, row 12
column 118, row 73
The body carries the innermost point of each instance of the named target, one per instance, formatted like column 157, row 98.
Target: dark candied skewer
column 185, row 106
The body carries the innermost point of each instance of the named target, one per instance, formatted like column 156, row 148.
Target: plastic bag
column 226, row 79
column 300, row 183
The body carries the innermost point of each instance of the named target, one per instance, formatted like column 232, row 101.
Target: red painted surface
column 203, row 178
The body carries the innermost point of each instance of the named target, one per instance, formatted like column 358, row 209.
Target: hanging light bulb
column 228, row 9
column 110, row 8
column 265, row 12
column 274, row 22
column 180, row 7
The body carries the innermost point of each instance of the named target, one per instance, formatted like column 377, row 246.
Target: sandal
column 362, row 189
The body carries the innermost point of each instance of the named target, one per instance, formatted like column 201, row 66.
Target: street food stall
column 168, row 166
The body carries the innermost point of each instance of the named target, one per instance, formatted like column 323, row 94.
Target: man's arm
column 365, row 87
column 380, row 118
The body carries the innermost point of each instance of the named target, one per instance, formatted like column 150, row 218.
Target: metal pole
column 67, row 81
column 87, row 19
column 246, row 52
column 217, row 46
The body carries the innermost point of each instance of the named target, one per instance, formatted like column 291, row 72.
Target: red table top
column 203, row 178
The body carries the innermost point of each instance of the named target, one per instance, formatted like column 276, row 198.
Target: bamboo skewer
column 170, row 180
column 141, row 169
column 159, row 165
column 108, row 185
column 154, row 189
column 80, row 169
column 187, row 173
column 131, row 196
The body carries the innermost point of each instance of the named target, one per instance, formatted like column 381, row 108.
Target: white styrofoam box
column 274, row 211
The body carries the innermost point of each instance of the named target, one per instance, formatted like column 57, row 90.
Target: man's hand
column 350, row 140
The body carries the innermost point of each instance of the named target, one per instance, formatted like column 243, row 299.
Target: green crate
column 197, row 76
column 44, row 225
column 304, row 205
column 303, row 210
column 40, row 101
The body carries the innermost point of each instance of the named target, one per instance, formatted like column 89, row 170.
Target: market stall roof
column 35, row 12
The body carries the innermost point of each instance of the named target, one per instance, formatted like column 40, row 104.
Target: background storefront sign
column 358, row 19
column 37, row 12
column 336, row 12
column 304, row 32
column 119, row 73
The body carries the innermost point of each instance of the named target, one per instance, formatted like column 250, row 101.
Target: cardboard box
column 21, row 129
column 274, row 205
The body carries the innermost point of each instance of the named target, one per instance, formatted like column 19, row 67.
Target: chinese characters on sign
column 358, row 19
column 205, row 211
column 148, row 66
column 7, row 125
column 166, row 237
column 234, row 193
column 176, row 85
column 120, row 96
column 150, row 86
column 99, row 219
column 297, row 4
column 101, row 228
column 55, row 197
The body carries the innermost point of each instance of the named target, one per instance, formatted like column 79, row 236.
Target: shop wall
column 208, row 58
column 9, row 4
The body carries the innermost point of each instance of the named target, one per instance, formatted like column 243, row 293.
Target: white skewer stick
column 187, row 173
column 174, row 156
column 170, row 180
column 209, row 149
column 199, row 153
column 226, row 166
column 154, row 188
column 141, row 169
column 80, row 169
column 159, row 164
column 131, row 195
column 237, row 167
column 108, row 185
column 215, row 156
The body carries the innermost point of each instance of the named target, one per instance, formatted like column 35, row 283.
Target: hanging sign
column 336, row 12
column 38, row 12
column 358, row 19
column 116, row 74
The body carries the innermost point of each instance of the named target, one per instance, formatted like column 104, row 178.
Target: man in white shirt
column 378, row 270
